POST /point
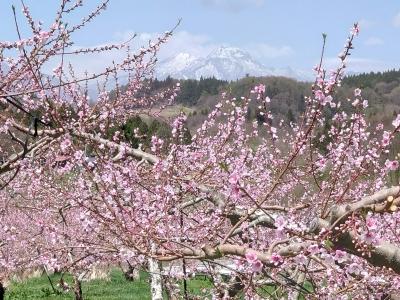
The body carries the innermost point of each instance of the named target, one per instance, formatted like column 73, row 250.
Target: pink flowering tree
column 282, row 217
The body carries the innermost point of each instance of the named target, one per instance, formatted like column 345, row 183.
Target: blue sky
column 278, row 33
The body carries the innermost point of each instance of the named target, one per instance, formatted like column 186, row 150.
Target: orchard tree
column 285, row 219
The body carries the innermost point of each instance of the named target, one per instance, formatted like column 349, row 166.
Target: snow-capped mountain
column 227, row 63
column 175, row 66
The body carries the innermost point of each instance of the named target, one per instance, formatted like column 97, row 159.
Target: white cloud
column 94, row 63
column 197, row 45
column 374, row 41
column 201, row 45
column 182, row 41
column 396, row 20
column 360, row 65
column 366, row 24
column 264, row 51
column 232, row 5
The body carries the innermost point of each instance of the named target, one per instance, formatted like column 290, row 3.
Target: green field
column 115, row 288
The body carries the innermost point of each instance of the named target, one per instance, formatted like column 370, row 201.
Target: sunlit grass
column 115, row 288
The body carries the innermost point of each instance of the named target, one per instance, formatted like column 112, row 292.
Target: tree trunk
column 235, row 286
column 2, row 291
column 171, row 288
column 155, row 279
column 129, row 271
column 77, row 288
column 300, row 282
column 221, row 290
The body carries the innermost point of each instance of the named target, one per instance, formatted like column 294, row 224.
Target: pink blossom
column 254, row 262
column 257, row 266
column 370, row 237
column 386, row 138
column 328, row 258
column 276, row 259
column 313, row 249
column 354, row 268
column 355, row 102
column 65, row 145
column 234, row 178
column 328, row 100
column 340, row 256
column 301, row 259
column 319, row 95
column 396, row 122
column 239, row 263
column 380, row 126
column 280, row 223
column 251, row 257
column 371, row 223
column 169, row 196
column 391, row 165
column 43, row 36
column 356, row 29
column 259, row 89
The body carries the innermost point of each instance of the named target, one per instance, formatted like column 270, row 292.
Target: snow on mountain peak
column 175, row 65
column 229, row 52
column 229, row 63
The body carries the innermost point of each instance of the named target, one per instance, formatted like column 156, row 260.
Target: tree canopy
column 284, row 218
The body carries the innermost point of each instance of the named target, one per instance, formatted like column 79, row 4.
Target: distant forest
column 191, row 89
column 372, row 78
column 382, row 83
column 381, row 89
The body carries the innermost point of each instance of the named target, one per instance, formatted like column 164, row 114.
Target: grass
column 170, row 111
column 174, row 110
column 116, row 288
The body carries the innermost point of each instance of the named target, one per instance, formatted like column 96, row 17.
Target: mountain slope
column 175, row 66
column 227, row 63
